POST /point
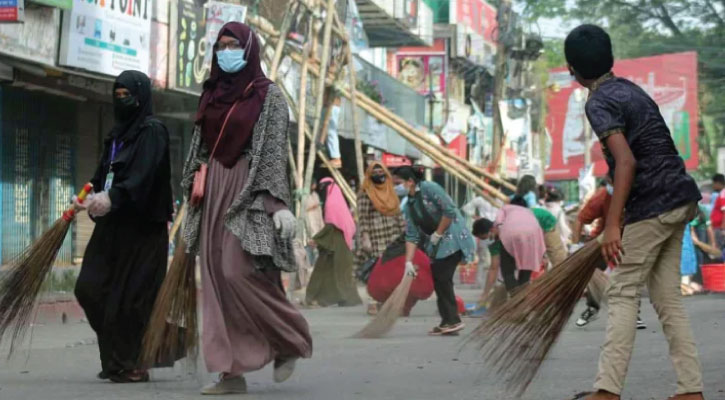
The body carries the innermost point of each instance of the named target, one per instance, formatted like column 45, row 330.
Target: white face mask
column 487, row 242
column 610, row 189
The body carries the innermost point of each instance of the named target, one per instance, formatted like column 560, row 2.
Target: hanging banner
column 11, row 11
column 107, row 37
column 670, row 79
column 36, row 39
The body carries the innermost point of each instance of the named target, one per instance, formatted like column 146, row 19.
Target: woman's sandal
column 130, row 377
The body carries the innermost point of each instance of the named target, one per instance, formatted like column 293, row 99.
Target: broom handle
column 70, row 213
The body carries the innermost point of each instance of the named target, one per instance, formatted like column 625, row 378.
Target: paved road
column 406, row 365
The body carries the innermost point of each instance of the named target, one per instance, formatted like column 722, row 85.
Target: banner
column 670, row 79
column 475, row 22
column 34, row 40
column 11, row 11
column 107, row 37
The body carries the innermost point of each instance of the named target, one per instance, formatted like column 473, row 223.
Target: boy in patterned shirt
column 657, row 199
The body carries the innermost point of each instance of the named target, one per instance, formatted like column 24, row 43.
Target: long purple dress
column 247, row 319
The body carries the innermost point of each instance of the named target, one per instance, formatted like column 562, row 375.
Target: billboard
column 670, row 79
column 11, row 11
column 34, row 40
column 107, row 37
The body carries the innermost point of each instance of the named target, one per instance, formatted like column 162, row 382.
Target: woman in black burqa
column 125, row 261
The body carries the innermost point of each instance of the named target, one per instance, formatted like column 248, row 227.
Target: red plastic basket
column 713, row 277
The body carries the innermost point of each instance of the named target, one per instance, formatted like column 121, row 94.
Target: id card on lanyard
column 109, row 177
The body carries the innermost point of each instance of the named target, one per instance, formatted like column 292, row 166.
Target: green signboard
column 62, row 4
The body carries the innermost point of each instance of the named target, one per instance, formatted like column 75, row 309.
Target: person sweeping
column 431, row 214
column 125, row 261
column 380, row 220
column 240, row 222
column 656, row 198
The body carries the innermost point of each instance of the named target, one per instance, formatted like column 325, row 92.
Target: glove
column 410, row 269
column 285, row 222
column 574, row 247
column 99, row 205
column 435, row 238
column 82, row 206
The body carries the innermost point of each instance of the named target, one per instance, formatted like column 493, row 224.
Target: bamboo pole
column 355, row 122
column 302, row 100
column 286, row 25
column 336, row 175
column 384, row 115
column 322, row 75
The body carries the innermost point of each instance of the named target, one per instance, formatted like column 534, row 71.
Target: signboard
column 11, row 11
column 393, row 160
column 193, row 31
column 34, row 40
column 670, row 79
column 62, row 4
column 107, row 37
column 424, row 69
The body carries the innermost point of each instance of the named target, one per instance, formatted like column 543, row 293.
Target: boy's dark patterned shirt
column 661, row 183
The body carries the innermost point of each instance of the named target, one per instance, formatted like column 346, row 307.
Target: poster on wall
column 218, row 14
column 670, row 79
column 34, row 40
column 159, row 60
column 107, row 37
column 193, row 32
column 12, row 11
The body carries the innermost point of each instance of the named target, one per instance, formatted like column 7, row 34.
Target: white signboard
column 107, row 37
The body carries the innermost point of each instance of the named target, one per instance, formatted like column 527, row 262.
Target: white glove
column 574, row 247
column 99, row 205
column 435, row 238
column 410, row 269
column 82, row 206
column 367, row 245
column 285, row 222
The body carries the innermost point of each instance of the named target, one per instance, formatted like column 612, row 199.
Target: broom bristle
column 20, row 285
column 518, row 336
column 172, row 329
column 389, row 312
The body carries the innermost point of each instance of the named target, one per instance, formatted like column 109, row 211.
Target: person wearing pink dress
column 516, row 243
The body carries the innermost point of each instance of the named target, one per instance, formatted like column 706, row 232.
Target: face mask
column 487, row 242
column 610, row 189
column 124, row 108
column 400, row 190
column 231, row 61
column 378, row 179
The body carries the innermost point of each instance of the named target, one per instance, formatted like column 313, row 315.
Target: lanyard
column 115, row 149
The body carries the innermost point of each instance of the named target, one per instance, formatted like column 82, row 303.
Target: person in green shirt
column 555, row 250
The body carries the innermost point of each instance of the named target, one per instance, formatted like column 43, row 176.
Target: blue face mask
column 231, row 61
column 400, row 190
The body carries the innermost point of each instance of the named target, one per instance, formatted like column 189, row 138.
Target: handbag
column 199, row 186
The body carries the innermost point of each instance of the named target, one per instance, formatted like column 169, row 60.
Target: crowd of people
column 241, row 226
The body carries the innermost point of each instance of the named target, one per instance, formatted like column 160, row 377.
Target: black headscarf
column 140, row 87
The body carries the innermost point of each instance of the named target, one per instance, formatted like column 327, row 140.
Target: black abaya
column 125, row 261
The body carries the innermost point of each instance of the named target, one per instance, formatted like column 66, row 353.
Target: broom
column 389, row 312
column 171, row 332
column 19, row 287
column 516, row 339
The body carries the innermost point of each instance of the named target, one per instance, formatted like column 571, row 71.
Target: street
column 407, row 364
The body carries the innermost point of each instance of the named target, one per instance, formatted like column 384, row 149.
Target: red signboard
column 670, row 79
column 477, row 15
column 459, row 146
column 393, row 160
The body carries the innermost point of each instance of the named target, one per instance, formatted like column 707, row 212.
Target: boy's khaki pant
column 652, row 256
